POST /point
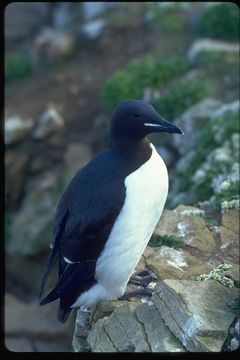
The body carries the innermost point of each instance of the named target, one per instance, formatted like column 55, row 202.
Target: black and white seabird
column 107, row 214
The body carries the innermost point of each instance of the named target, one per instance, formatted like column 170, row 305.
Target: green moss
column 182, row 94
column 168, row 19
column 167, row 240
column 220, row 21
column 17, row 67
column 130, row 82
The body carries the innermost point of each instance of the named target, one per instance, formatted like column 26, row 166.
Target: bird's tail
column 51, row 261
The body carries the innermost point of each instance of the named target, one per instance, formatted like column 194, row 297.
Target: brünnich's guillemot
column 109, row 211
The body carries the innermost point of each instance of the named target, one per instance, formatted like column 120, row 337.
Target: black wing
column 84, row 219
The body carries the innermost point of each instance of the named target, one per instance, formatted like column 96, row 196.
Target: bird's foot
column 142, row 278
column 135, row 293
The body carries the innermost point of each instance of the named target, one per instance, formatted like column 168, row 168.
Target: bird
column 108, row 212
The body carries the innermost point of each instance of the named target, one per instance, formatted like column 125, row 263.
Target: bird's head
column 135, row 119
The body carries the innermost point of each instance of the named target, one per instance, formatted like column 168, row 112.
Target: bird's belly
column 146, row 193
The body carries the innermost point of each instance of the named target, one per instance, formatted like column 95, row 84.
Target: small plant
column 167, row 240
column 217, row 274
column 17, row 67
column 183, row 94
column 148, row 72
column 220, row 21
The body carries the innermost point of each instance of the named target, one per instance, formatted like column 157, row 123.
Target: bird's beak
column 158, row 124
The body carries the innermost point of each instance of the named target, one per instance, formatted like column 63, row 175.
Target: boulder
column 50, row 122
column 16, row 129
column 93, row 29
column 132, row 328
column 229, row 244
column 169, row 263
column 210, row 45
column 191, row 121
column 230, row 220
column 52, row 45
column 197, row 313
column 186, row 224
column 35, row 216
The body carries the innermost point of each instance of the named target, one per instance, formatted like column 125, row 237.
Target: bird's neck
column 135, row 150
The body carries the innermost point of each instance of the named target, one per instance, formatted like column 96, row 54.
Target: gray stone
column 235, row 344
column 50, row 122
column 16, row 129
column 210, row 45
column 158, row 335
column 92, row 10
column 197, row 313
column 183, row 224
column 169, row 263
column 93, row 29
column 230, row 220
column 229, row 245
column 36, row 215
column 119, row 332
column 191, row 121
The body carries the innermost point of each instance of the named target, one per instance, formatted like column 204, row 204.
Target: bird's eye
column 136, row 115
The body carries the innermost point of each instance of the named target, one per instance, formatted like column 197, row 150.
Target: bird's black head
column 134, row 119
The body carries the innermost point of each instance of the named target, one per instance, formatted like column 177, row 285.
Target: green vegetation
column 214, row 167
column 220, row 21
column 167, row 240
column 217, row 274
column 130, row 82
column 166, row 19
column 17, row 67
column 180, row 96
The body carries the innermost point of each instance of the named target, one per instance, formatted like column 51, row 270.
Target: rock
column 22, row 18
column 35, row 216
column 229, row 245
column 129, row 327
column 52, row 45
column 191, row 121
column 76, row 156
column 92, row 10
column 93, row 29
column 230, row 220
column 16, row 163
column 210, row 45
column 197, row 313
column 169, row 263
column 16, row 129
column 158, row 335
column 119, row 332
column 31, row 320
column 50, row 122
column 183, row 224
column 232, row 107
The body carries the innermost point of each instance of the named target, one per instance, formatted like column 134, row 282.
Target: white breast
column 146, row 193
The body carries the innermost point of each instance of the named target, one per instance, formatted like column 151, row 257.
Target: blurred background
column 66, row 66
